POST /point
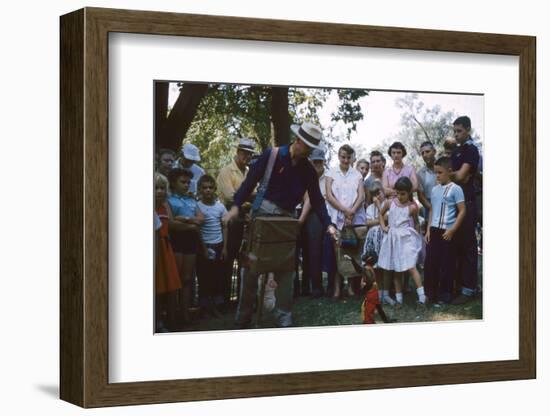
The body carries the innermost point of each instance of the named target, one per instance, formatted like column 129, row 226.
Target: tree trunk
column 279, row 116
column 161, row 109
column 182, row 114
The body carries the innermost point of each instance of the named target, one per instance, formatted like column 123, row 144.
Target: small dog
column 371, row 301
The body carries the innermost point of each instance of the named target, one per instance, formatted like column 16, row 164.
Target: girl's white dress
column 401, row 245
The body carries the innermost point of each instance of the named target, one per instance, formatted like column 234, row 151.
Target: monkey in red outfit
column 371, row 301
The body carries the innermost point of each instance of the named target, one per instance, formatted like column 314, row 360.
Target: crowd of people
column 405, row 220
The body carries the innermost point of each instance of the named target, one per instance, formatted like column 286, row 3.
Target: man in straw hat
column 232, row 175
column 229, row 180
column 292, row 175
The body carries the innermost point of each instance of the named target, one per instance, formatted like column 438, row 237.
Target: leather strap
column 265, row 181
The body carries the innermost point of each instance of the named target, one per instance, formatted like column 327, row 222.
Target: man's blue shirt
column 287, row 184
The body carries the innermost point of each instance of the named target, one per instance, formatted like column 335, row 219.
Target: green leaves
column 420, row 123
column 228, row 112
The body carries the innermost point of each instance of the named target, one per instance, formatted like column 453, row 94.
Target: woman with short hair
column 398, row 170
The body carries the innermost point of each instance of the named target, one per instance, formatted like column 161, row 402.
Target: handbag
column 349, row 238
column 351, row 244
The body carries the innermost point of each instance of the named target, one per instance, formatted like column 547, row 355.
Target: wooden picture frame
column 84, row 207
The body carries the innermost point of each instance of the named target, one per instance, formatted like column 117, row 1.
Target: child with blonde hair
column 167, row 280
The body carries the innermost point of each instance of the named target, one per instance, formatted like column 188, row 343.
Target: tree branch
column 422, row 127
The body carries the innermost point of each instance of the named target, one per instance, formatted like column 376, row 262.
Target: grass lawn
column 308, row 312
column 348, row 312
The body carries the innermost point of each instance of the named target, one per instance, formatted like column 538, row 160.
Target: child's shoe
column 387, row 300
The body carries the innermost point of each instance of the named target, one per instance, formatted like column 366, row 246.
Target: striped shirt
column 445, row 199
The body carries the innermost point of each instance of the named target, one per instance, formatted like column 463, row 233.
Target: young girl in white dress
column 402, row 243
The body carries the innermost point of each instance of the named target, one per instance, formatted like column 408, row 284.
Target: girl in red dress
column 167, row 280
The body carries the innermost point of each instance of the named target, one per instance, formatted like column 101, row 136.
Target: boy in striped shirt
column 446, row 216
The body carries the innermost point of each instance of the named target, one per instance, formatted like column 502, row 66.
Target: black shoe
column 461, row 299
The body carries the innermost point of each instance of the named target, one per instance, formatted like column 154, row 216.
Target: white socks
column 421, row 295
column 384, row 296
column 386, row 300
column 399, row 297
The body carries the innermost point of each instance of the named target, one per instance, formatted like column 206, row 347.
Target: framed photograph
column 137, row 86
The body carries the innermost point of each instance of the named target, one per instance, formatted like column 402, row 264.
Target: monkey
column 369, row 289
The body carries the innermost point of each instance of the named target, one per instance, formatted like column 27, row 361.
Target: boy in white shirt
column 211, row 262
column 446, row 216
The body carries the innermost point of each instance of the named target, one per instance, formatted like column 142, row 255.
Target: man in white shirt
column 426, row 176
